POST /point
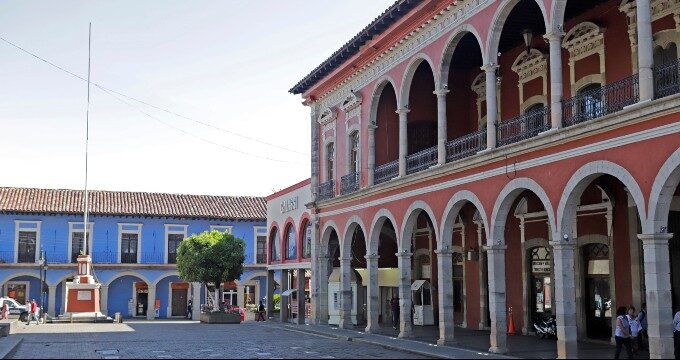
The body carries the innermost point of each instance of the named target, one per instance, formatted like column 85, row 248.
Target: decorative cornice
column 352, row 101
column 584, row 40
column 529, row 65
column 328, row 115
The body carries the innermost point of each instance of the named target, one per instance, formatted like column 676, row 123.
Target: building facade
column 132, row 239
column 518, row 155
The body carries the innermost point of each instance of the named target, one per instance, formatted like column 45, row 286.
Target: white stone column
column 405, row 326
column 195, row 301
column 314, row 277
column 283, row 314
column 151, row 303
column 322, row 297
column 645, row 49
column 103, row 299
column 483, row 288
column 403, row 139
column 301, row 297
column 373, row 297
column 270, row 293
column 445, row 294
column 491, row 105
column 345, row 293
column 565, row 298
column 556, row 83
column 52, row 301
column 658, row 294
column 441, row 125
column 371, row 154
column 497, row 301
column 240, row 295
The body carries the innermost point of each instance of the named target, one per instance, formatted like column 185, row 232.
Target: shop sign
column 540, row 266
column 289, row 205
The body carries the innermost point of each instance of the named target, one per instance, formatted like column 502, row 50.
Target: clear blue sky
column 227, row 63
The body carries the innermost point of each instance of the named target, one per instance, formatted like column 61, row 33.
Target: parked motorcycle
column 546, row 328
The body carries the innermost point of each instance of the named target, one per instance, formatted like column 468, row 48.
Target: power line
column 111, row 91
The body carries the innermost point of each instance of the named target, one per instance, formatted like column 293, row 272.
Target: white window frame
column 36, row 229
column 89, row 231
column 122, row 231
column 168, row 232
column 260, row 230
column 222, row 228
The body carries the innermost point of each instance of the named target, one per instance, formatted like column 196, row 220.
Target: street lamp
column 43, row 275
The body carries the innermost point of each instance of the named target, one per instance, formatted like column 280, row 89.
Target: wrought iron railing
column 667, row 79
column 465, row 146
column 26, row 257
column 421, row 160
column 386, row 172
column 602, row 101
column 128, row 258
column 326, row 190
column 350, row 183
column 261, row 258
column 524, row 127
column 172, row 258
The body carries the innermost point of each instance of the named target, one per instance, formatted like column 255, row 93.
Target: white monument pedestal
column 82, row 294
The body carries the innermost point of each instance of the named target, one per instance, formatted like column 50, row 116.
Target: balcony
column 326, row 190
column 524, row 127
column 667, row 79
column 26, row 257
column 386, row 172
column 600, row 102
column 421, row 160
column 350, row 183
column 465, row 146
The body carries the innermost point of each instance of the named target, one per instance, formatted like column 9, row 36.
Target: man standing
column 32, row 310
column 189, row 309
column 394, row 305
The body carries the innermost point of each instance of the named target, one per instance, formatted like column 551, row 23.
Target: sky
column 228, row 64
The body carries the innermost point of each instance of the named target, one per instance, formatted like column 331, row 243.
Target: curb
column 9, row 346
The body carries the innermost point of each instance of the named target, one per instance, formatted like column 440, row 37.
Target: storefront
column 540, row 284
column 141, row 298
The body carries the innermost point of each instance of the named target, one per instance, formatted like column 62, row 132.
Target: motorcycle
column 546, row 328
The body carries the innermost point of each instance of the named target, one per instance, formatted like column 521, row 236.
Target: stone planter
column 220, row 318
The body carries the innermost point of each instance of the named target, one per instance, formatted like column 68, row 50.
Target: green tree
column 211, row 257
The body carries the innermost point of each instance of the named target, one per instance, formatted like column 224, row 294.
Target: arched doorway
column 386, row 120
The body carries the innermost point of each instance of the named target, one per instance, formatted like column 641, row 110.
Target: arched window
column 354, row 152
column 591, row 105
column 291, row 244
column 275, row 246
column 307, row 241
column 330, row 159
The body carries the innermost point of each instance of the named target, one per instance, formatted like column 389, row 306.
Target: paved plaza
column 186, row 339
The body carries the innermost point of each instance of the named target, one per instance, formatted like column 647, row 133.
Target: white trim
column 89, row 235
column 121, row 231
column 168, row 232
column 222, row 228
column 17, row 228
column 266, row 240
column 19, row 282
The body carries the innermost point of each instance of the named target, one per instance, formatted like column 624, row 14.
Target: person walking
column 5, row 311
column 622, row 333
column 190, row 307
column 634, row 328
column 642, row 320
column 31, row 312
column 260, row 312
column 676, row 334
column 394, row 305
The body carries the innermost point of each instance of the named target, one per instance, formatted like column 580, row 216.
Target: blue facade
column 121, row 279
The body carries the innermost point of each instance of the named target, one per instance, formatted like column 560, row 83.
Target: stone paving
column 185, row 339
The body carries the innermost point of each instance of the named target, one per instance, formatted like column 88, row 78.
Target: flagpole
column 87, row 139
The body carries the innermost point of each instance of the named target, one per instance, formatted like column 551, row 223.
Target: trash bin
column 118, row 318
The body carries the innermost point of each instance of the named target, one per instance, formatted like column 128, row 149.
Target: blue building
column 134, row 240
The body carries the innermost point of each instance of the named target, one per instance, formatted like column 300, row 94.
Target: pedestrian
column 622, row 333
column 634, row 328
column 676, row 334
column 260, row 312
column 5, row 311
column 190, row 307
column 394, row 305
column 642, row 319
column 32, row 310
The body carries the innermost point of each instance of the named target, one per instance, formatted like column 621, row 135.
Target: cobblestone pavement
column 185, row 339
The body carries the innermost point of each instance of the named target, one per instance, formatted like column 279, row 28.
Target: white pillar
column 270, row 293
column 565, row 298
column 441, row 125
column 52, row 300
column 283, row 314
column 345, row 293
column 645, row 49
column 103, row 299
column 151, row 303
column 403, row 139
column 405, row 326
column 658, row 294
column 497, row 301
column 483, row 288
column 445, row 294
column 373, row 288
column 556, row 84
column 240, row 296
column 371, row 154
column 322, row 297
column 491, row 105
column 301, row 297
column 314, row 287
column 196, row 301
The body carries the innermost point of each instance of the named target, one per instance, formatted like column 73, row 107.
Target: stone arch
column 252, row 275
column 498, row 21
column 410, row 217
column 351, row 225
column 557, row 12
column 375, row 97
column 304, row 220
column 289, row 224
column 19, row 274
column 165, row 275
column 452, row 44
column 504, row 202
column 328, row 228
column 663, row 188
column 451, row 212
column 376, row 226
column 273, row 230
column 129, row 273
column 571, row 196
column 407, row 79
column 62, row 278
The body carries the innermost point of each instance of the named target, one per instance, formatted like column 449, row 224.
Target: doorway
column 386, row 294
column 674, row 247
column 458, row 288
column 540, row 284
column 598, row 304
column 142, row 295
column 180, row 294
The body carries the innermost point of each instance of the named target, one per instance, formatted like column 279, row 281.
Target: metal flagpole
column 87, row 139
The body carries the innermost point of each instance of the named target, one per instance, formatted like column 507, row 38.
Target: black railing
column 350, row 183
column 128, row 258
column 667, row 79
column 153, row 258
column 602, row 101
column 386, row 172
column 105, row 257
column 326, row 190
column 26, row 257
column 172, row 258
column 524, row 127
column 465, row 146
column 261, row 258
column 421, row 160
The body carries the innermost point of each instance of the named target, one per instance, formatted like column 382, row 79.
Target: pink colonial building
column 515, row 154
